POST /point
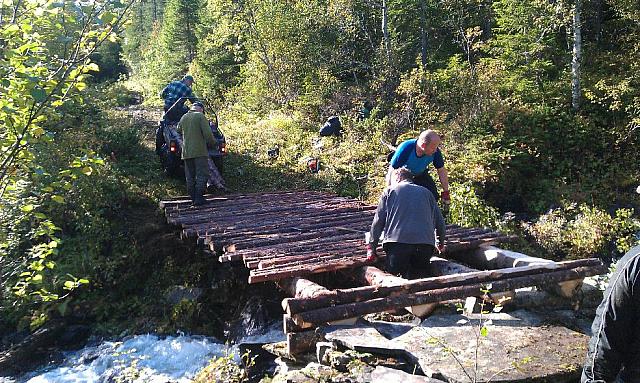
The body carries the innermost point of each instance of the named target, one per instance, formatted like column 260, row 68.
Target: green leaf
column 69, row 285
column 27, row 208
column 108, row 17
column 58, row 199
column 87, row 170
column 37, row 132
column 93, row 67
column 38, row 94
column 484, row 331
column 37, row 278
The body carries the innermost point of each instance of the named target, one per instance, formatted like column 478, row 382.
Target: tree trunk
column 385, row 30
column 320, row 316
column 597, row 28
column 376, row 277
column 345, row 296
column 576, row 91
column 423, row 32
column 154, row 10
column 301, row 288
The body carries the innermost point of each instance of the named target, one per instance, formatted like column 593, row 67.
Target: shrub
column 467, row 209
column 579, row 231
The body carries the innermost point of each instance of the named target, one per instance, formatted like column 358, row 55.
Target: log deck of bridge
column 286, row 237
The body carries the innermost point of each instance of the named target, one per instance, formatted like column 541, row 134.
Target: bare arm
column 444, row 178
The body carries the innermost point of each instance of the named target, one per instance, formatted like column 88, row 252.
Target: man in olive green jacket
column 196, row 136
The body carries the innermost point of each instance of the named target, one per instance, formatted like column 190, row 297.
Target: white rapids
column 142, row 359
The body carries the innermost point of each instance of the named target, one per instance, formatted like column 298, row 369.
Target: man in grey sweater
column 409, row 216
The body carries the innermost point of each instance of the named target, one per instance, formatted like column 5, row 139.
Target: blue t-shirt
column 405, row 155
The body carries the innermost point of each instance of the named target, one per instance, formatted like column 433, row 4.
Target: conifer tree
column 178, row 39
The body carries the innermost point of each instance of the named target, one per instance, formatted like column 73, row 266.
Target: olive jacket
column 196, row 135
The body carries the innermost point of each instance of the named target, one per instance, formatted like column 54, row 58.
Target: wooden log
column 171, row 202
column 301, row 288
column 440, row 266
column 324, row 315
column 213, row 213
column 275, row 239
column 321, row 267
column 491, row 257
column 350, row 262
column 218, row 210
column 495, row 257
column 344, row 296
column 288, row 325
column 235, row 228
column 375, row 277
column 303, row 245
column 278, row 263
column 239, row 228
column 294, row 259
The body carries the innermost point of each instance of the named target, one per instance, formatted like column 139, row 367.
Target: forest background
column 538, row 103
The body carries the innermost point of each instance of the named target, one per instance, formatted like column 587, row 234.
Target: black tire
column 159, row 139
column 169, row 162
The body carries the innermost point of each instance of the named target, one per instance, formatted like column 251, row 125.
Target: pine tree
column 178, row 40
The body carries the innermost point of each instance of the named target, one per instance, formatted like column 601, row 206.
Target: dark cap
column 187, row 77
column 197, row 104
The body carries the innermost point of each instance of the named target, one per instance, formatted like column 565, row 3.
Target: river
column 145, row 358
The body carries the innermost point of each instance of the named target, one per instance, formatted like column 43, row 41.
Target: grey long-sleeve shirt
column 408, row 213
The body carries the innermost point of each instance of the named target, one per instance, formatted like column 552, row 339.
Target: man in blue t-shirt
column 416, row 155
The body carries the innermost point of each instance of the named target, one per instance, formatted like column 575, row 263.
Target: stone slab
column 387, row 375
column 362, row 338
column 518, row 347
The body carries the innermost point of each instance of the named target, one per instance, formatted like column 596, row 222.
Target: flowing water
column 143, row 358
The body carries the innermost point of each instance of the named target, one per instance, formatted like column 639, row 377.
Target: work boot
column 198, row 199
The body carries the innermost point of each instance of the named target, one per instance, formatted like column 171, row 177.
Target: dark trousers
column 196, row 173
column 426, row 181
column 176, row 113
column 404, row 258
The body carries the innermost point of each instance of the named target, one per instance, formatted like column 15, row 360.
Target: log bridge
column 292, row 238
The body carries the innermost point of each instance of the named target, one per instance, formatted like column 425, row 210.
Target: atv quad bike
column 169, row 146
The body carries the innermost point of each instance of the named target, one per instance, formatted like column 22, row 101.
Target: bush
column 580, row 231
column 468, row 210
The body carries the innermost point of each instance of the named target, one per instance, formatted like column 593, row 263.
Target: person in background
column 409, row 215
column 174, row 95
column 416, row 155
column 614, row 348
column 196, row 137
